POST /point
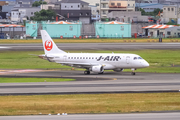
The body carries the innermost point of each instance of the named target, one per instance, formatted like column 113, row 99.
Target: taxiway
column 109, row 82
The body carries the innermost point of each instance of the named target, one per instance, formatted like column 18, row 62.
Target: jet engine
column 97, row 69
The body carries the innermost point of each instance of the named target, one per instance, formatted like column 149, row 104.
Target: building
column 15, row 4
column 169, row 2
column 30, row 2
column 93, row 2
column 170, row 13
column 129, row 17
column 146, row 1
column 47, row 6
column 17, row 14
column 107, row 6
column 51, row 1
column 94, row 13
column 73, row 10
column 164, row 31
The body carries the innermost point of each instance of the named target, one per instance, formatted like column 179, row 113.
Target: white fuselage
column 109, row 61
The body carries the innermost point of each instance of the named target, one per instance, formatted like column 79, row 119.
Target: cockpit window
column 135, row 58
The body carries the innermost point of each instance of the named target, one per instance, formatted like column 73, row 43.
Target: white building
column 170, row 13
column 47, row 6
column 17, row 14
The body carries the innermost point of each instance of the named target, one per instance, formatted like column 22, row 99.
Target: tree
column 142, row 12
column 44, row 15
column 154, row 13
column 38, row 3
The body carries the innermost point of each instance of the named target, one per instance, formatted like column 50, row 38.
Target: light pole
column 177, row 12
column 100, row 9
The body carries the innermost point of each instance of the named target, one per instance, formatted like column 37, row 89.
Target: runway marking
column 4, row 47
column 2, row 72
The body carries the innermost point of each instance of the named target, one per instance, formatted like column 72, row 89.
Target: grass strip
column 161, row 61
column 94, row 103
column 113, row 40
column 24, row 80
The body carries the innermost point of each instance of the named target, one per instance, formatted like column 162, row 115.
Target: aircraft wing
column 80, row 65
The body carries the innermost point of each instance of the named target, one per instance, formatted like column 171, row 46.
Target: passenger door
column 127, row 59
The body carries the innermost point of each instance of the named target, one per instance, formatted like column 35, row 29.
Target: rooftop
column 72, row 1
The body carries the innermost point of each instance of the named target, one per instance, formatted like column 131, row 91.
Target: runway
column 137, row 116
column 109, row 82
column 91, row 46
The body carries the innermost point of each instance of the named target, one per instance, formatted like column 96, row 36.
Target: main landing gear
column 133, row 73
column 101, row 73
column 86, row 72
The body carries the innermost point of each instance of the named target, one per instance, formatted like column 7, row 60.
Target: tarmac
column 132, row 116
column 91, row 46
column 109, row 82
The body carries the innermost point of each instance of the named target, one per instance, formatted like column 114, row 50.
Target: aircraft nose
column 146, row 64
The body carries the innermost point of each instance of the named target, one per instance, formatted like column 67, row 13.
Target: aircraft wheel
column 101, row 73
column 86, row 72
column 133, row 73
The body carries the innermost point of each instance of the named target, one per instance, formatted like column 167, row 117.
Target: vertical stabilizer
column 49, row 45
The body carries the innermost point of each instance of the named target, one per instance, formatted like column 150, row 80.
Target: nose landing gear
column 133, row 73
column 133, row 69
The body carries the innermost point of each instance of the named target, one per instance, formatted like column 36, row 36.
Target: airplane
column 91, row 62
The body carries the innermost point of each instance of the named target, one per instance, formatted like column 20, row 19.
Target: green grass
column 91, row 103
column 161, row 61
column 101, row 40
column 23, row 60
column 23, row 80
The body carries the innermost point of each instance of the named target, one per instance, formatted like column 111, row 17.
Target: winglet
column 49, row 45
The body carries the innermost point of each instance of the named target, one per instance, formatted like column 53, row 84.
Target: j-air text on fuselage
column 95, row 62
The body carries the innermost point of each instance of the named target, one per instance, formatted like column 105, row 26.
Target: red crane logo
column 48, row 45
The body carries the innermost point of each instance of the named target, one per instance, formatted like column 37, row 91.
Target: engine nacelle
column 97, row 69
column 118, row 70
